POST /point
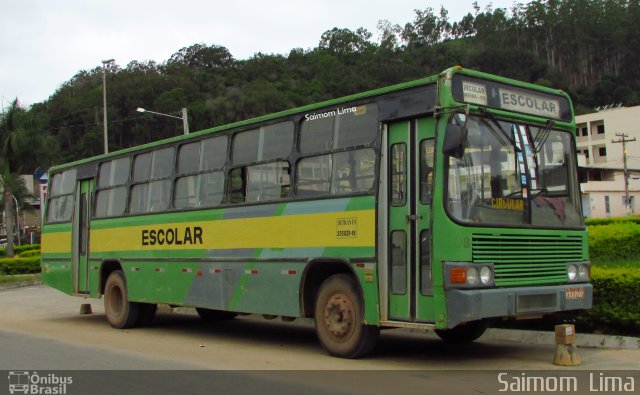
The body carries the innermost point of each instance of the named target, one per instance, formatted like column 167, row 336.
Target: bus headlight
column 579, row 271
column 472, row 276
column 486, row 276
column 468, row 275
column 572, row 272
column 584, row 272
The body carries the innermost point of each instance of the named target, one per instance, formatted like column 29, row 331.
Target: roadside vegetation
column 614, row 249
column 23, row 267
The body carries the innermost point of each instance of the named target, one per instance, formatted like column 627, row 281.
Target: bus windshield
column 513, row 174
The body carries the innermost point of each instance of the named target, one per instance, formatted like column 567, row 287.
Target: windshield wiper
column 505, row 135
column 542, row 136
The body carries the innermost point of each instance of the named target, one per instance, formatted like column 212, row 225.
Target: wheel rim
column 339, row 316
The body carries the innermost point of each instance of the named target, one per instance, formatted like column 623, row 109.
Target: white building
column 601, row 161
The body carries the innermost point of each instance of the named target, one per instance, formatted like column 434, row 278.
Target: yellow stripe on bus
column 56, row 243
column 336, row 229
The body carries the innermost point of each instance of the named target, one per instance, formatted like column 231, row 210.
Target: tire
column 339, row 319
column 147, row 313
column 121, row 313
column 463, row 333
column 209, row 315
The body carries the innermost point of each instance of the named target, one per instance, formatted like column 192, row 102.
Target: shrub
column 608, row 221
column 30, row 253
column 20, row 249
column 616, row 241
column 616, row 300
column 20, row 265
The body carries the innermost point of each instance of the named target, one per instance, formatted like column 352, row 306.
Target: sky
column 44, row 43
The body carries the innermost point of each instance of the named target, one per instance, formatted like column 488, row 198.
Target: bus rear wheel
column 463, row 333
column 121, row 313
column 339, row 319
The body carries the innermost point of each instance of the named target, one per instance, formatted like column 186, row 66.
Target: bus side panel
column 56, row 257
column 248, row 259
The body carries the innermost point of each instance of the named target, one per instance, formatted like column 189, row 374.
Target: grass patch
column 18, row 278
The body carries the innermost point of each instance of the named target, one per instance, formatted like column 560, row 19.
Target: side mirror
column 453, row 140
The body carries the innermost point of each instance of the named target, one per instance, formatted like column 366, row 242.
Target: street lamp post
column 104, row 100
column 185, row 121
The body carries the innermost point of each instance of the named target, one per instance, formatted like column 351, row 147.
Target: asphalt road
column 41, row 329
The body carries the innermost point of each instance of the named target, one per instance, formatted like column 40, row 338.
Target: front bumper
column 465, row 305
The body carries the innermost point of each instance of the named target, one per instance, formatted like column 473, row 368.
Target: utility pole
column 624, row 141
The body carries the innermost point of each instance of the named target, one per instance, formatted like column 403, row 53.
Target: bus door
column 410, row 161
column 80, row 242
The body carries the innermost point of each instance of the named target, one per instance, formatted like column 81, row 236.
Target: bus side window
column 237, row 185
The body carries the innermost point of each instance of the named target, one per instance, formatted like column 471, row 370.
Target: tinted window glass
column 213, row 153
column 115, row 172
column 111, row 202
column 267, row 143
column 63, row 183
column 142, row 167
column 340, row 128
column 314, row 176
column 162, row 165
column 358, row 127
column 277, row 141
column 202, row 190
column 316, row 135
column 245, row 146
column 269, row 181
column 189, row 158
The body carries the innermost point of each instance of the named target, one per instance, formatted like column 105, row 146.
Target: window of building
column 581, row 130
column 602, row 151
column 607, row 206
column 600, row 128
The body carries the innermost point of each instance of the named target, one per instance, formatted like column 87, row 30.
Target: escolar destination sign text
column 530, row 104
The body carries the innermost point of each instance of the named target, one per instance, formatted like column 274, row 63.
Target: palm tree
column 22, row 147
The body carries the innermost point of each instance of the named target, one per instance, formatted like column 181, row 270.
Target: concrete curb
column 20, row 284
column 585, row 340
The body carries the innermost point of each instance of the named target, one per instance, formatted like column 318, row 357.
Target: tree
column 22, row 147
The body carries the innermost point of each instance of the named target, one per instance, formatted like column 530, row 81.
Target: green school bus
column 441, row 203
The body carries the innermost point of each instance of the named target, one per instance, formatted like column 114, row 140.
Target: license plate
column 574, row 293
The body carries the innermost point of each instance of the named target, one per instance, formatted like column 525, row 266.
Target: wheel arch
column 108, row 267
column 316, row 272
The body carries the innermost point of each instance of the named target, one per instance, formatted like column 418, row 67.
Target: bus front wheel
column 120, row 312
column 463, row 333
column 339, row 319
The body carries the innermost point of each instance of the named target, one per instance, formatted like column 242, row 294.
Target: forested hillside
column 590, row 48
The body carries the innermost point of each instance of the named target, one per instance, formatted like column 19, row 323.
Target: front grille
column 527, row 259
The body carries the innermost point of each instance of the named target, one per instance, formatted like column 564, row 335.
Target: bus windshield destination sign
column 509, row 98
